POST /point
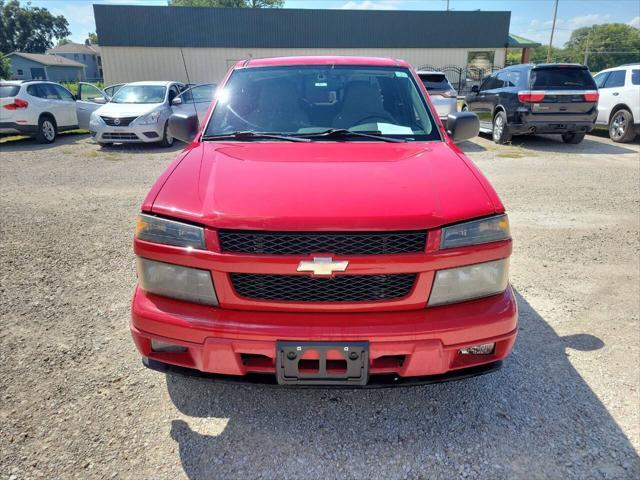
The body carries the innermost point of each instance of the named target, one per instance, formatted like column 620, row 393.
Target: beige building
column 196, row 45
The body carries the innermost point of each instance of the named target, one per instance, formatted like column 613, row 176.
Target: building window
column 20, row 71
column 479, row 64
column 75, row 56
column 84, row 57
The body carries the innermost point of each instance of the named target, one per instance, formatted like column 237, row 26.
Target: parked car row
column 517, row 100
column 123, row 113
column 557, row 98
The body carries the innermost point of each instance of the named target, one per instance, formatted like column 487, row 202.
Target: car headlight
column 149, row 119
column 469, row 282
column 169, row 232
column 475, row 232
column 94, row 118
column 176, row 281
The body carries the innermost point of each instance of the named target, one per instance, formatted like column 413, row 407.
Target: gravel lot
column 75, row 402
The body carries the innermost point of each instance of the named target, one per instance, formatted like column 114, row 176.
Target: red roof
column 324, row 60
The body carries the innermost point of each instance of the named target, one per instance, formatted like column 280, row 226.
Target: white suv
column 42, row 109
column 619, row 103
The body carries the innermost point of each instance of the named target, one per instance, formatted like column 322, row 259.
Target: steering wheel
column 384, row 118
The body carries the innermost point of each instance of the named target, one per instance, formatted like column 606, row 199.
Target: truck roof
column 322, row 60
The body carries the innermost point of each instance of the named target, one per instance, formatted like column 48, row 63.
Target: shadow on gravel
column 469, row 146
column 141, row 148
column 554, row 144
column 535, row 418
column 30, row 144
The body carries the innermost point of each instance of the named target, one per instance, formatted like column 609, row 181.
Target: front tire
column 573, row 138
column 167, row 139
column 621, row 128
column 501, row 133
column 47, row 130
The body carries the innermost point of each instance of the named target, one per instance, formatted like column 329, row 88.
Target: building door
column 38, row 74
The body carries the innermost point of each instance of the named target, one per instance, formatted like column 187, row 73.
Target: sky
column 529, row 18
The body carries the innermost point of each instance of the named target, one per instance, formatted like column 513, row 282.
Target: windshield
column 300, row 100
column 140, row 94
column 561, row 78
column 435, row 81
column 9, row 90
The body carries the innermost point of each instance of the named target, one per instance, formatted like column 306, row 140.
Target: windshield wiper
column 249, row 135
column 343, row 132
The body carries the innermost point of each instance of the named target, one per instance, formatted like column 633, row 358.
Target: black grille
column 343, row 288
column 119, row 136
column 305, row 243
column 121, row 121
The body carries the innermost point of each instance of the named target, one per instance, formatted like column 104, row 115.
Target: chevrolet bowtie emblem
column 322, row 266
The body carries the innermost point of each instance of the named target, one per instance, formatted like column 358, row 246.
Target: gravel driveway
column 75, row 402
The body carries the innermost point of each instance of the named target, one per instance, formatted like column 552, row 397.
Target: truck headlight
column 469, row 282
column 475, row 232
column 169, row 232
column 176, row 281
column 149, row 118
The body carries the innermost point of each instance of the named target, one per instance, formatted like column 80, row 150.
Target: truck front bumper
column 406, row 345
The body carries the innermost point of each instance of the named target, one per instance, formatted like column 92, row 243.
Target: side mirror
column 183, row 126
column 462, row 126
column 475, row 89
column 176, row 101
column 100, row 100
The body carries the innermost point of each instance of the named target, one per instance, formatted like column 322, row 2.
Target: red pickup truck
column 322, row 228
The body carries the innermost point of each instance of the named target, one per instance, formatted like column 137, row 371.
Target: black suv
column 527, row 99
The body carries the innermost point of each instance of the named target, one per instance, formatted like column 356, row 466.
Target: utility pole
column 447, row 5
column 586, row 49
column 553, row 27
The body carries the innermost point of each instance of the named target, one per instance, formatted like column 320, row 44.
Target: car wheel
column 501, row 133
column 573, row 138
column 464, row 108
column 621, row 128
column 47, row 130
column 167, row 139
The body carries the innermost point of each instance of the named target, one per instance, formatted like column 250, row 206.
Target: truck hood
column 324, row 186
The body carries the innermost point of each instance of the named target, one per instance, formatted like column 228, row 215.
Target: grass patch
column 18, row 138
column 514, row 154
column 13, row 138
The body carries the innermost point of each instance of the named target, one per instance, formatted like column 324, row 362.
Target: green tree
column 5, row 67
column 605, row 45
column 227, row 3
column 92, row 39
column 63, row 41
column 29, row 29
column 539, row 55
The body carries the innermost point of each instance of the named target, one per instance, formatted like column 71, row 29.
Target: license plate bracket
column 330, row 363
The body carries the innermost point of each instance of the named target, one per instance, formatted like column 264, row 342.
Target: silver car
column 138, row 112
column 443, row 96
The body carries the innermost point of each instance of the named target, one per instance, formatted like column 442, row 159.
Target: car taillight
column 529, row 96
column 17, row 103
column 591, row 96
